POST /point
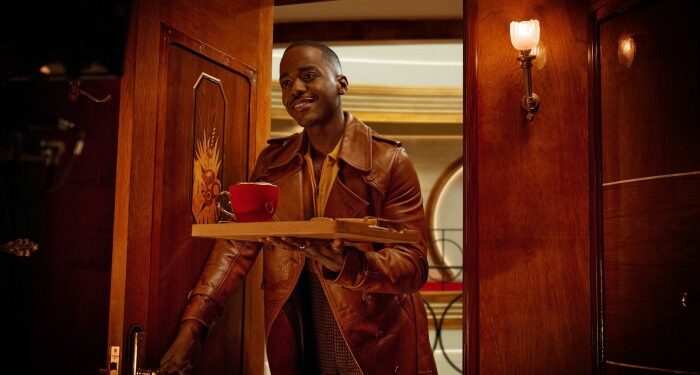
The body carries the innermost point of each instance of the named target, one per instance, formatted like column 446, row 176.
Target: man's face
column 311, row 86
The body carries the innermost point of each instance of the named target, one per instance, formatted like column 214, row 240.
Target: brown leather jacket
column 375, row 297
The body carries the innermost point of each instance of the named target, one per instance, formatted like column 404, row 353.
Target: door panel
column 650, row 164
column 193, row 116
column 202, row 147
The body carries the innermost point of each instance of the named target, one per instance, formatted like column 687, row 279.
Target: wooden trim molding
column 607, row 8
column 470, row 339
column 595, row 199
column 292, row 2
column 368, row 30
column 393, row 104
column 175, row 36
column 444, row 309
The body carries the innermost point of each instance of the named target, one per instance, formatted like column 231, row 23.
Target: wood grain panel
column 606, row 8
column 368, row 30
column 651, row 227
column 219, row 107
column 241, row 24
column 533, row 240
column 652, row 255
column 649, row 108
column 241, row 30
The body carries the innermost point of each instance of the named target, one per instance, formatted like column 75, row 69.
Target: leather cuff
column 209, row 292
column 349, row 275
column 201, row 309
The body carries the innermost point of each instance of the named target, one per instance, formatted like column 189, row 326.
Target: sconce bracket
column 530, row 104
column 530, row 99
column 525, row 59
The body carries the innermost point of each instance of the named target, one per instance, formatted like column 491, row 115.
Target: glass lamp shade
column 525, row 34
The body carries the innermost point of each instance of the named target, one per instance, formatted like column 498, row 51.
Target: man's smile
column 301, row 104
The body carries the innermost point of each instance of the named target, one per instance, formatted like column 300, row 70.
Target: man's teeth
column 302, row 103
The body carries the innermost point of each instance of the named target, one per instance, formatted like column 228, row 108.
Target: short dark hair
column 326, row 52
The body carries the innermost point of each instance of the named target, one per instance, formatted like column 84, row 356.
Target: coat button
column 366, row 297
column 379, row 334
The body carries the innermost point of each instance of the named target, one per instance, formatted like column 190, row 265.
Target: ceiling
column 368, row 10
column 403, row 58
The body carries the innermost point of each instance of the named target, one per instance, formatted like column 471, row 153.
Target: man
column 330, row 307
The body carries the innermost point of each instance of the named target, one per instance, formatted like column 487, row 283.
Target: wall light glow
column 626, row 49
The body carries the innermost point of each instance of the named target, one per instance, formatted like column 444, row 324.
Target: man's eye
column 308, row 76
column 285, row 83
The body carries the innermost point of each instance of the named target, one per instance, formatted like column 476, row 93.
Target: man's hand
column 331, row 254
column 184, row 352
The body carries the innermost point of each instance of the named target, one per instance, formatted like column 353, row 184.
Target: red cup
column 251, row 201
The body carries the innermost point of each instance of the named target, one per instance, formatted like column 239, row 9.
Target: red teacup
column 251, row 201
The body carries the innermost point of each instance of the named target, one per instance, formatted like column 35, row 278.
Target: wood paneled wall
column 529, row 193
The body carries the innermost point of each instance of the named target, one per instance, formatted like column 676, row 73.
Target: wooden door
column 647, row 66
column 193, row 116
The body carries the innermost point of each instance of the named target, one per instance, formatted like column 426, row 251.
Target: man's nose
column 298, row 86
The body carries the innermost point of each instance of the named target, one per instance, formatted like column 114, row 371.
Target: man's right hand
column 184, row 352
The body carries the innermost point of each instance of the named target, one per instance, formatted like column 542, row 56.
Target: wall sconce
column 525, row 35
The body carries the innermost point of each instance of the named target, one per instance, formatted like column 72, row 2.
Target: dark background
column 55, row 303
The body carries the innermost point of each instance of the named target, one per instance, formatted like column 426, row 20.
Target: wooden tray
column 356, row 230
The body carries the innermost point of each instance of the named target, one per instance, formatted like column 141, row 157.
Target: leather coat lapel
column 290, row 151
column 291, row 186
column 342, row 202
column 356, row 148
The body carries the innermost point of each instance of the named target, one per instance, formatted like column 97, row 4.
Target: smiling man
column 330, row 307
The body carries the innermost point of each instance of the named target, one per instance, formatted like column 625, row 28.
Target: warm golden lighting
column 45, row 70
column 540, row 53
column 626, row 49
column 525, row 37
column 525, row 34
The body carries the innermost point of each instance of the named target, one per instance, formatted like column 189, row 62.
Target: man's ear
column 342, row 84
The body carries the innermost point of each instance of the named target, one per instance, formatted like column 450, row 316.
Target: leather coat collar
column 355, row 149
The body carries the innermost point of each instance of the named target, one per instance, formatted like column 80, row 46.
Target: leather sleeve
column 399, row 268
column 228, row 263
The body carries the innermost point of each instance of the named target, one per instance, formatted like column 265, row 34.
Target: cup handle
column 269, row 207
column 221, row 209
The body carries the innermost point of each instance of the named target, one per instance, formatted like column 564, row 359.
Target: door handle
column 137, row 341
